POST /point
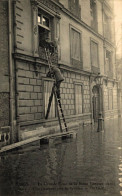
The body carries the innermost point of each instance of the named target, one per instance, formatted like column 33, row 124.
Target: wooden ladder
column 57, row 100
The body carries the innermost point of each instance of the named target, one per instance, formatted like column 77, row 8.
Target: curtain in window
column 75, row 45
column 94, row 54
column 78, row 99
column 47, row 92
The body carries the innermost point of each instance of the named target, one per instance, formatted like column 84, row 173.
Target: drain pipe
column 10, row 71
column 16, row 78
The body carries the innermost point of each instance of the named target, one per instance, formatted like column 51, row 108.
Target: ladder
column 57, row 100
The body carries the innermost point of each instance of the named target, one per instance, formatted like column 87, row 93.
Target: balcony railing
column 43, row 57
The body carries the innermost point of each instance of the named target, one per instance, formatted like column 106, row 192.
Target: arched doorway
column 95, row 102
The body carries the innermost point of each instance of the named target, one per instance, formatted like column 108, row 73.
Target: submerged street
column 89, row 165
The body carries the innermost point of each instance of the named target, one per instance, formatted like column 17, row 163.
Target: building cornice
column 65, row 67
column 109, row 43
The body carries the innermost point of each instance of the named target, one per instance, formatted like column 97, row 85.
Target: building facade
column 84, row 33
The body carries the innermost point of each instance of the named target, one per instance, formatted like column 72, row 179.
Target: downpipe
column 16, row 78
column 10, row 71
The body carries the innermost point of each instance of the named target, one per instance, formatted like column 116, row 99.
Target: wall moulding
column 48, row 4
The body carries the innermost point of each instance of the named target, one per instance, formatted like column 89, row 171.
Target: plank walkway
column 36, row 138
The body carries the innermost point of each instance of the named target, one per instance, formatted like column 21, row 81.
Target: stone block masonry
column 31, row 92
column 68, row 92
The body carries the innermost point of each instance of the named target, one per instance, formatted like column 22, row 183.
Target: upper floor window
column 44, row 27
column 75, row 48
column 107, row 27
column 93, row 11
column 108, row 60
column 44, row 21
column 94, row 57
column 74, row 7
column 108, row 63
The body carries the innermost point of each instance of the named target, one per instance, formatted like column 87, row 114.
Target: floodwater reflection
column 89, row 165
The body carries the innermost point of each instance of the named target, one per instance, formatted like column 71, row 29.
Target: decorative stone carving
column 50, row 5
column 35, row 29
column 34, row 5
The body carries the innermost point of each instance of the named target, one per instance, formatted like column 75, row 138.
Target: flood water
column 89, row 165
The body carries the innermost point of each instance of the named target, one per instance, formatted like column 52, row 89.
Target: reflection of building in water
column 84, row 33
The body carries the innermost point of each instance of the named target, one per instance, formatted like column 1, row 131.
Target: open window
column 44, row 27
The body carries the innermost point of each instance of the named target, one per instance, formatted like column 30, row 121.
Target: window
column 94, row 54
column 93, row 12
column 110, row 99
column 107, row 27
column 78, row 99
column 43, row 21
column 48, row 84
column 75, row 48
column 108, row 60
column 44, row 27
column 75, row 8
column 108, row 63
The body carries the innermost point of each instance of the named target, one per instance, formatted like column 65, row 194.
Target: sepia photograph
column 60, row 97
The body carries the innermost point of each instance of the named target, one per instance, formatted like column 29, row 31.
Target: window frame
column 107, row 26
column 110, row 90
column 78, row 63
column 94, row 15
column 47, row 15
column 82, row 94
column 44, row 112
column 41, row 24
column 109, row 72
column 94, row 68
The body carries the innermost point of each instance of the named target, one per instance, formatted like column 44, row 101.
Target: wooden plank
column 30, row 140
column 60, row 134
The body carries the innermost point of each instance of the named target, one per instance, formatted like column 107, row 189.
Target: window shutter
column 94, row 54
column 75, row 45
column 47, row 92
column 78, row 98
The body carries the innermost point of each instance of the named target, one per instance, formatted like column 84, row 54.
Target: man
column 56, row 74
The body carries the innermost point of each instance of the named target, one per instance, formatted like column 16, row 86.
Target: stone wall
column 114, row 110
column 30, row 87
column 30, row 92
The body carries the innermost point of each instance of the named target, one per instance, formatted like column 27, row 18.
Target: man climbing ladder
column 55, row 73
